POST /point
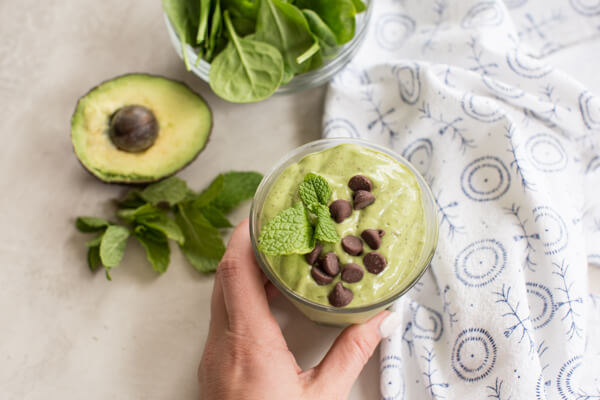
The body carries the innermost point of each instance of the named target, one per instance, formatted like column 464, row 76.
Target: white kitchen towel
column 511, row 148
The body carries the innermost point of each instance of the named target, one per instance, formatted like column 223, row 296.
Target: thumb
column 351, row 351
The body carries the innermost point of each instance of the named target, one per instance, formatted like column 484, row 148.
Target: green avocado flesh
column 398, row 210
column 184, row 120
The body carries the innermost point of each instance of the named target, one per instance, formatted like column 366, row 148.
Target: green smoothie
column 398, row 210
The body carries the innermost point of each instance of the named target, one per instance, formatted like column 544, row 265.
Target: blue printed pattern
column 506, row 142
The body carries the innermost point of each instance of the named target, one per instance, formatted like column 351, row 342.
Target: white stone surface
column 66, row 333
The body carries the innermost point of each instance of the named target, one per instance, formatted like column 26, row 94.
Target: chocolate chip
column 360, row 182
column 372, row 237
column 319, row 276
column 352, row 245
column 312, row 257
column 374, row 262
column 340, row 210
column 352, row 273
column 330, row 264
column 340, row 296
column 362, row 198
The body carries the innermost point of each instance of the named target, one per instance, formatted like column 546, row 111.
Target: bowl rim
column 285, row 161
column 309, row 79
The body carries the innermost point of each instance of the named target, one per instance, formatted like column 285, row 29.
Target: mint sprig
column 291, row 231
column 169, row 210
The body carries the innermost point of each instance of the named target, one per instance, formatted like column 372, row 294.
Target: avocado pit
column 133, row 128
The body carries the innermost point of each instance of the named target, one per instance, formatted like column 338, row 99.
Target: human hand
column 246, row 356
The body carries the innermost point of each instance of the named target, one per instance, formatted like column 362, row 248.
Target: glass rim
column 254, row 217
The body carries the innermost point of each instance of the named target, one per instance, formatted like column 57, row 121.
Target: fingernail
column 389, row 325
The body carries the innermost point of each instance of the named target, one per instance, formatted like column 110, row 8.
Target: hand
column 246, row 356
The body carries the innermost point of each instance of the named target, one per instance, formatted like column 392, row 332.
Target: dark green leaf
column 209, row 194
column 247, row 70
column 91, row 224
column 322, row 32
column 203, row 245
column 215, row 30
column 171, row 190
column 112, row 246
column 131, row 200
column 339, row 15
column 164, row 224
column 95, row 242
column 284, row 26
column 146, row 211
column 93, row 258
column 215, row 217
column 241, row 8
column 157, row 250
column 238, row 186
column 203, row 20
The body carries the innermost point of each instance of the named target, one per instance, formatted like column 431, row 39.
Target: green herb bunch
column 296, row 230
column 170, row 210
column 254, row 46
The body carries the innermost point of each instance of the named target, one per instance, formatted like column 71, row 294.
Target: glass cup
column 327, row 314
column 300, row 82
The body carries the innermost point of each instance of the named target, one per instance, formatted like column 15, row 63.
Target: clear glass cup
column 327, row 314
column 300, row 82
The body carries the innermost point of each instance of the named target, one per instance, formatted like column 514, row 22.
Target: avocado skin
column 142, row 181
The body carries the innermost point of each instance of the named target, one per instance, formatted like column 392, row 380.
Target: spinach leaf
column 156, row 246
column 171, row 190
column 359, row 6
column 241, row 8
column 91, row 224
column 247, row 70
column 326, row 37
column 339, row 15
column 215, row 31
column 112, row 246
column 203, row 20
column 237, row 187
column 203, row 245
column 284, row 26
column 93, row 258
column 176, row 10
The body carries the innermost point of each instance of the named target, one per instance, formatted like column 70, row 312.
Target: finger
column 350, row 352
column 242, row 283
column 218, row 312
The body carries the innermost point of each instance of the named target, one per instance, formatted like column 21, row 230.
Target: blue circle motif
column 554, row 235
column 392, row 384
column 486, row 13
column 479, row 109
column 502, row 89
column 585, row 8
column 589, row 106
column 485, row 179
column 420, row 154
column 527, row 66
column 564, row 380
column 540, row 315
column 339, row 127
column 427, row 323
column 473, row 354
column 546, row 153
column 480, row 263
column 392, row 30
column 408, row 77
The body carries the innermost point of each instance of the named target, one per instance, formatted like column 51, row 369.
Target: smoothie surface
column 398, row 210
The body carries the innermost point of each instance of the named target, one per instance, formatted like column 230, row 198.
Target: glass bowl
column 324, row 313
column 304, row 81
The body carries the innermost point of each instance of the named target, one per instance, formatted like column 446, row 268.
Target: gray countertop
column 67, row 333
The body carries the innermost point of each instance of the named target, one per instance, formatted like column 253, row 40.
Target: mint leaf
column 93, row 258
column 112, row 246
column 238, row 186
column 215, row 217
column 91, row 224
column 203, row 245
column 131, row 200
column 146, row 211
column 95, row 242
column 156, row 246
column 314, row 189
column 165, row 225
column 290, row 232
column 171, row 190
column 211, row 192
column 325, row 230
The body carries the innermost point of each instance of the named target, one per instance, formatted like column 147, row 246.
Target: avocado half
column 139, row 128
